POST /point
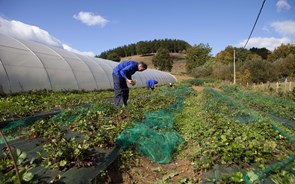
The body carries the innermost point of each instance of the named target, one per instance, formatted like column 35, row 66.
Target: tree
column 143, row 48
column 241, row 55
column 262, row 52
column 244, row 77
column 113, row 56
column 285, row 66
column 103, row 55
column 282, row 52
column 225, row 56
column 222, row 71
column 261, row 70
column 203, row 71
column 162, row 60
column 147, row 47
column 197, row 55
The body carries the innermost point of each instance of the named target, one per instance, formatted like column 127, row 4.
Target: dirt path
column 201, row 88
column 148, row 172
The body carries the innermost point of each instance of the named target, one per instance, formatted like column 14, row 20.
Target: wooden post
column 286, row 82
column 234, row 66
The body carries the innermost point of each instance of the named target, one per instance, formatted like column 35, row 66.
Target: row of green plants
column 32, row 103
column 7, row 174
column 222, row 133
column 97, row 121
column 278, row 106
column 219, row 132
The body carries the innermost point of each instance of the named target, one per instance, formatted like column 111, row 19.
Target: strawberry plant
column 7, row 174
column 219, row 128
column 215, row 135
column 66, row 153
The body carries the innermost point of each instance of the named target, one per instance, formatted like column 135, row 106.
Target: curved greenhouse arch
column 27, row 65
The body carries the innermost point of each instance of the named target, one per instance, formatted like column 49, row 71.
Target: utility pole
column 234, row 66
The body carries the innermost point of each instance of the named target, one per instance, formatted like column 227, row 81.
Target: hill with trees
column 144, row 48
column 254, row 65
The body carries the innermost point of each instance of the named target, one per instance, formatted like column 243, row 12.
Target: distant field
column 178, row 69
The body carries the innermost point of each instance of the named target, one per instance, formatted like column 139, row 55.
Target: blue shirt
column 126, row 69
column 151, row 84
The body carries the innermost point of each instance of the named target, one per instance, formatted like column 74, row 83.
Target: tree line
column 144, row 48
column 252, row 65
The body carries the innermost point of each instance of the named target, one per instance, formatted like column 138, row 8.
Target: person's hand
column 131, row 82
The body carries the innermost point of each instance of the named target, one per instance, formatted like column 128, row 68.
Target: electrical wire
column 255, row 23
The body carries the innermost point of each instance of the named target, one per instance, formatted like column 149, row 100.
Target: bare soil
column 149, row 172
column 201, row 88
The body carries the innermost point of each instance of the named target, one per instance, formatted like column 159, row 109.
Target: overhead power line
column 255, row 23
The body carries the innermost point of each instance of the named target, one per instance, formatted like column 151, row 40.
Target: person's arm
column 124, row 71
column 152, row 85
column 147, row 85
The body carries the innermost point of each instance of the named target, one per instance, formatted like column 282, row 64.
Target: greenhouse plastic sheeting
column 26, row 65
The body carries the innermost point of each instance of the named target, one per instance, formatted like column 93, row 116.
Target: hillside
column 178, row 69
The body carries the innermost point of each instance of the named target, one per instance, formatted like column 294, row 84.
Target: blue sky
column 93, row 26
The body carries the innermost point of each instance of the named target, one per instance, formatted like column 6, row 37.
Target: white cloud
column 284, row 27
column 90, row 19
column 283, row 5
column 68, row 48
column 28, row 32
column 265, row 28
column 269, row 43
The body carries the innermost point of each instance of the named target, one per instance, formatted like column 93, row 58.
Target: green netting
column 229, row 106
column 254, row 176
column 11, row 127
column 219, row 104
column 276, row 106
column 263, row 175
column 18, row 127
column 283, row 121
column 155, row 136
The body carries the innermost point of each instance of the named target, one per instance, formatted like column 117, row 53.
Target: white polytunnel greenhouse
column 29, row 66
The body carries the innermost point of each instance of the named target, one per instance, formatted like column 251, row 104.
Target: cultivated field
column 187, row 134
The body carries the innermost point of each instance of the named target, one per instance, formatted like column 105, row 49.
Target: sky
column 90, row 27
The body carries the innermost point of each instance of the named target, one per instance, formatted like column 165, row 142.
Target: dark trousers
column 121, row 90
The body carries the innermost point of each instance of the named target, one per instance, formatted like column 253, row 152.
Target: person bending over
column 121, row 75
column 150, row 84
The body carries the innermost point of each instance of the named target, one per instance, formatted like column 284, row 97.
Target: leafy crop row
column 226, row 137
column 278, row 106
column 97, row 122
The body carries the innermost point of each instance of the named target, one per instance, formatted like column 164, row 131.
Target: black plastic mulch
column 73, row 175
